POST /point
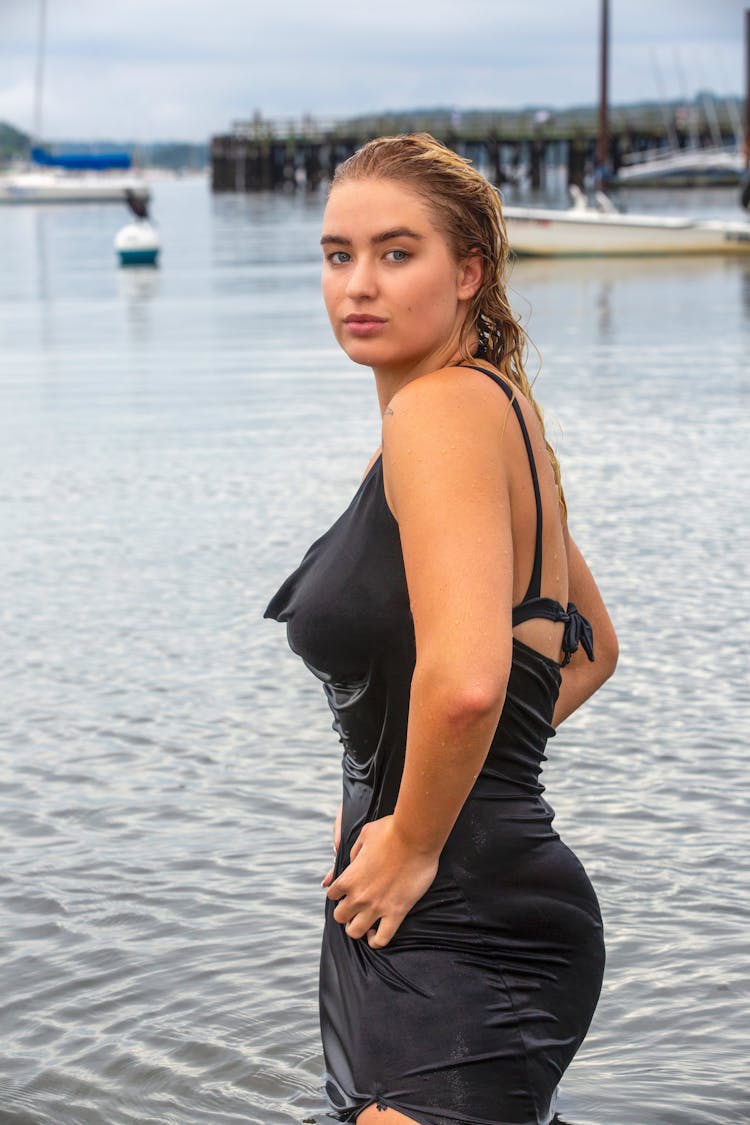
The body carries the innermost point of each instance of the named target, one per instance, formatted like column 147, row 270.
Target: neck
column 390, row 380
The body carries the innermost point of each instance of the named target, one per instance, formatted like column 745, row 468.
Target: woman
column 462, row 955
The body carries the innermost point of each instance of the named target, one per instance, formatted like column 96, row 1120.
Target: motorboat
column 599, row 229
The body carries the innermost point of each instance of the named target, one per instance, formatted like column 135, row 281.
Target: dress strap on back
column 577, row 630
column 535, row 585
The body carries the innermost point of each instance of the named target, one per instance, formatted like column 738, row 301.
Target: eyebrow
column 386, row 236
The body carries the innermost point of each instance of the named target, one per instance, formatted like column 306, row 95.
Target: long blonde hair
column 466, row 207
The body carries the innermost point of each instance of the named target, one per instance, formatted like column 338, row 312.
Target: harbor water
column 171, row 441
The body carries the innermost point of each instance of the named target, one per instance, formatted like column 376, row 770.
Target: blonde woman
column 462, row 955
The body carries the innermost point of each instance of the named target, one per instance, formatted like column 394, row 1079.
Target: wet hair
column 466, row 209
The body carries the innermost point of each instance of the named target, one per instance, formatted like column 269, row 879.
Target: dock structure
column 263, row 154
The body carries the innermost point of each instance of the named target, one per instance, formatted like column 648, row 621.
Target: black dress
column 476, row 1007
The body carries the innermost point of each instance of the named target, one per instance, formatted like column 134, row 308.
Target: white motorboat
column 601, row 230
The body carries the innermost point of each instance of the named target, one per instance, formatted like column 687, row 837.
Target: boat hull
column 691, row 168
column 547, row 233
column 69, row 187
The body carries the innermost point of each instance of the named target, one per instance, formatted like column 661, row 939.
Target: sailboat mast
column 38, row 87
column 602, row 142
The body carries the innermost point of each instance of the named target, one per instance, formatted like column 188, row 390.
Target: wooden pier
column 266, row 154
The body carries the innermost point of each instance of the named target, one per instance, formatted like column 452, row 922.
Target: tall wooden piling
column 747, row 87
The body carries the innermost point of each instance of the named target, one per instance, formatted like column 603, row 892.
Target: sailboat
column 74, row 178
column 599, row 229
column 52, row 182
column 689, row 167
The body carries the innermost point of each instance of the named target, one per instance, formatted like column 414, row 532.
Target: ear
column 470, row 273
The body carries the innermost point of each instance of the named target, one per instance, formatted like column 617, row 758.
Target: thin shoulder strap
column 535, row 585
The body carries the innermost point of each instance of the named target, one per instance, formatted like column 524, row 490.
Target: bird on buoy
column 137, row 244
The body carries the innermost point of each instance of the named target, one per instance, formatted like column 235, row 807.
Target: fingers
column 328, row 879
column 345, row 911
column 361, row 924
column 364, row 921
column 356, row 918
column 336, row 890
column 380, row 937
column 378, row 931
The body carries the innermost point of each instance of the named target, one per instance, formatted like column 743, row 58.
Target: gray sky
column 184, row 69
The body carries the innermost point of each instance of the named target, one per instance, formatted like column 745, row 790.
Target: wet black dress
column 476, row 1007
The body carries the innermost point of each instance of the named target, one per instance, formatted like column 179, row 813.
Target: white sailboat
column 76, row 178
column 60, row 185
column 692, row 167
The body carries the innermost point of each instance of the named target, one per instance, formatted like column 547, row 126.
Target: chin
column 363, row 352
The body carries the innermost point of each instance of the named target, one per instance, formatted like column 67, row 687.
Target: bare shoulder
column 440, row 442
column 449, row 400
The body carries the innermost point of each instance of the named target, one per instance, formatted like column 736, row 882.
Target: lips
column 363, row 324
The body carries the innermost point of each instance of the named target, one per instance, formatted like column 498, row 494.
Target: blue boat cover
column 83, row 161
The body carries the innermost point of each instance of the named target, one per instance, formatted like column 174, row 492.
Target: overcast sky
column 185, row 69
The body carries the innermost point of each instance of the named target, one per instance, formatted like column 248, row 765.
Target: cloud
column 148, row 69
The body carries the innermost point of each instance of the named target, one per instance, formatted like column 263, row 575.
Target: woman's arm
column 581, row 677
column 446, row 484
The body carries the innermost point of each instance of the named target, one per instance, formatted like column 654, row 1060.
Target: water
column 170, row 443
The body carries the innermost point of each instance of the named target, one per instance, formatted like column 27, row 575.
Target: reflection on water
column 170, row 443
column 744, row 274
column 137, row 286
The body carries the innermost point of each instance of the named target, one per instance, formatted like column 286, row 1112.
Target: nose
column 361, row 281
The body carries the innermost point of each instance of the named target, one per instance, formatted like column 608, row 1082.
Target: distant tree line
column 176, row 155
column 12, row 143
column 691, row 115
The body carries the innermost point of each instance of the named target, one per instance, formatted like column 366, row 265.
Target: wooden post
column 576, row 160
column 602, row 142
column 493, row 159
column 747, row 88
column 535, row 156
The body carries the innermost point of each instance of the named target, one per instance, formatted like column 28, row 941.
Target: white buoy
column 138, row 244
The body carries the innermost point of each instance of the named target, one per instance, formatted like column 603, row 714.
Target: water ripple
column 170, row 445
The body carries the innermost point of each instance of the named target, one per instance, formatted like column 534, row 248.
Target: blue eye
column 398, row 255
column 338, row 257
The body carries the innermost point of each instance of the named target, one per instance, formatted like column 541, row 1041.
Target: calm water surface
column 170, row 443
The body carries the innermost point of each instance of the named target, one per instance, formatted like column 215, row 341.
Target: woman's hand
column 384, row 879
column 336, row 845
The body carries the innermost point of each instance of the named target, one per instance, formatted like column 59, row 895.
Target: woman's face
column 395, row 294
